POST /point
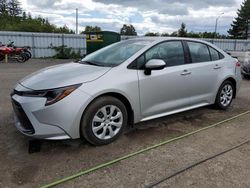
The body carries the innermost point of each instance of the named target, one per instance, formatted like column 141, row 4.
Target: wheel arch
column 120, row 97
column 233, row 81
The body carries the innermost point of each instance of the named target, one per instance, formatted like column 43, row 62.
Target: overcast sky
column 146, row 15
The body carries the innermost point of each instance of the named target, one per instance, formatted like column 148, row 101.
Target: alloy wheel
column 226, row 95
column 107, row 122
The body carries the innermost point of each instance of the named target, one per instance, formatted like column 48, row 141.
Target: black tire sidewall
column 86, row 122
column 22, row 58
column 217, row 102
column 1, row 57
column 28, row 55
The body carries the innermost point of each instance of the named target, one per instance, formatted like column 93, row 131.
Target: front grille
column 15, row 92
column 22, row 117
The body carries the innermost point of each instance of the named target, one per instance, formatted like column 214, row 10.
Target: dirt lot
column 58, row 159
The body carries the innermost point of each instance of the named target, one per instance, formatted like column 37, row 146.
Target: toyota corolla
column 122, row 84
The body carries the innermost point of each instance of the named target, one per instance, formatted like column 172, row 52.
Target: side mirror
column 154, row 64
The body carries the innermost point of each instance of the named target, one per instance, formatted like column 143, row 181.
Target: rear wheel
column 28, row 54
column 104, row 120
column 21, row 58
column 225, row 95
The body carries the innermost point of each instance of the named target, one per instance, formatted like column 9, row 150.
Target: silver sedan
column 122, row 84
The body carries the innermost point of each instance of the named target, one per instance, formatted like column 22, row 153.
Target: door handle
column 217, row 67
column 185, row 72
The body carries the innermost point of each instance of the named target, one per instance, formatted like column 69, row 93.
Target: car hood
column 63, row 75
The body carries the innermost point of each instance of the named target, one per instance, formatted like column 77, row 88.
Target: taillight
column 238, row 64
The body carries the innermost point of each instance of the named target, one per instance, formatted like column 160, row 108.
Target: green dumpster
column 98, row 40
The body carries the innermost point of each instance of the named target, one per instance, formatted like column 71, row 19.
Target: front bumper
column 55, row 122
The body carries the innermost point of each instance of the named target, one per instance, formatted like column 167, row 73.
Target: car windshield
column 115, row 54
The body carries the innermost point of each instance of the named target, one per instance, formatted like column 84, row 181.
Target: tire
column 225, row 95
column 28, row 54
column 96, row 129
column 21, row 58
column 245, row 76
column 2, row 57
column 27, row 57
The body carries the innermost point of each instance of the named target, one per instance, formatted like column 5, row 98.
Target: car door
column 205, row 68
column 164, row 90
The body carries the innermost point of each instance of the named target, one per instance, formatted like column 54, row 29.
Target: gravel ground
column 58, row 159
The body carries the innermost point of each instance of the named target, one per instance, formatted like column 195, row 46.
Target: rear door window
column 199, row 52
column 215, row 55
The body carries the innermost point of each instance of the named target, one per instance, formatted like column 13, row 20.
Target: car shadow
column 172, row 125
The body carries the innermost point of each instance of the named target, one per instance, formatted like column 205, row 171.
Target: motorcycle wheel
column 21, row 58
column 28, row 53
column 1, row 57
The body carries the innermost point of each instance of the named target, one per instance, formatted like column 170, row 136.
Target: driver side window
column 171, row 53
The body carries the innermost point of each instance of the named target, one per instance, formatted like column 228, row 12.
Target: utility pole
column 77, row 21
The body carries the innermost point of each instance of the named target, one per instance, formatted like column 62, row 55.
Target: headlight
column 56, row 95
column 52, row 95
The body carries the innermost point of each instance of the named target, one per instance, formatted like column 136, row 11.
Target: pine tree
column 239, row 26
column 24, row 17
column 182, row 32
column 3, row 7
column 14, row 8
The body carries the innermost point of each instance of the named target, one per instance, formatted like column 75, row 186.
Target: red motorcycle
column 12, row 53
column 19, row 50
column 4, row 51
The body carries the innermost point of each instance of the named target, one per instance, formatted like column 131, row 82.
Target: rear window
column 199, row 52
column 215, row 55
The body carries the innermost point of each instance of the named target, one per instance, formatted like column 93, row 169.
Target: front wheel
column 104, row 120
column 225, row 95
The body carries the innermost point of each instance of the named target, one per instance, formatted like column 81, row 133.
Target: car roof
column 159, row 39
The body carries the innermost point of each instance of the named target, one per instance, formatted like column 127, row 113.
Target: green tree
column 165, row 34
column 91, row 29
column 152, row 34
column 194, row 35
column 64, row 29
column 14, row 8
column 3, row 7
column 182, row 32
column 24, row 17
column 13, row 19
column 239, row 26
column 128, row 30
column 174, row 34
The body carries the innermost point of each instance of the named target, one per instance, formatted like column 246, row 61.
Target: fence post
column 6, row 58
column 235, row 44
column 62, row 39
column 33, row 45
